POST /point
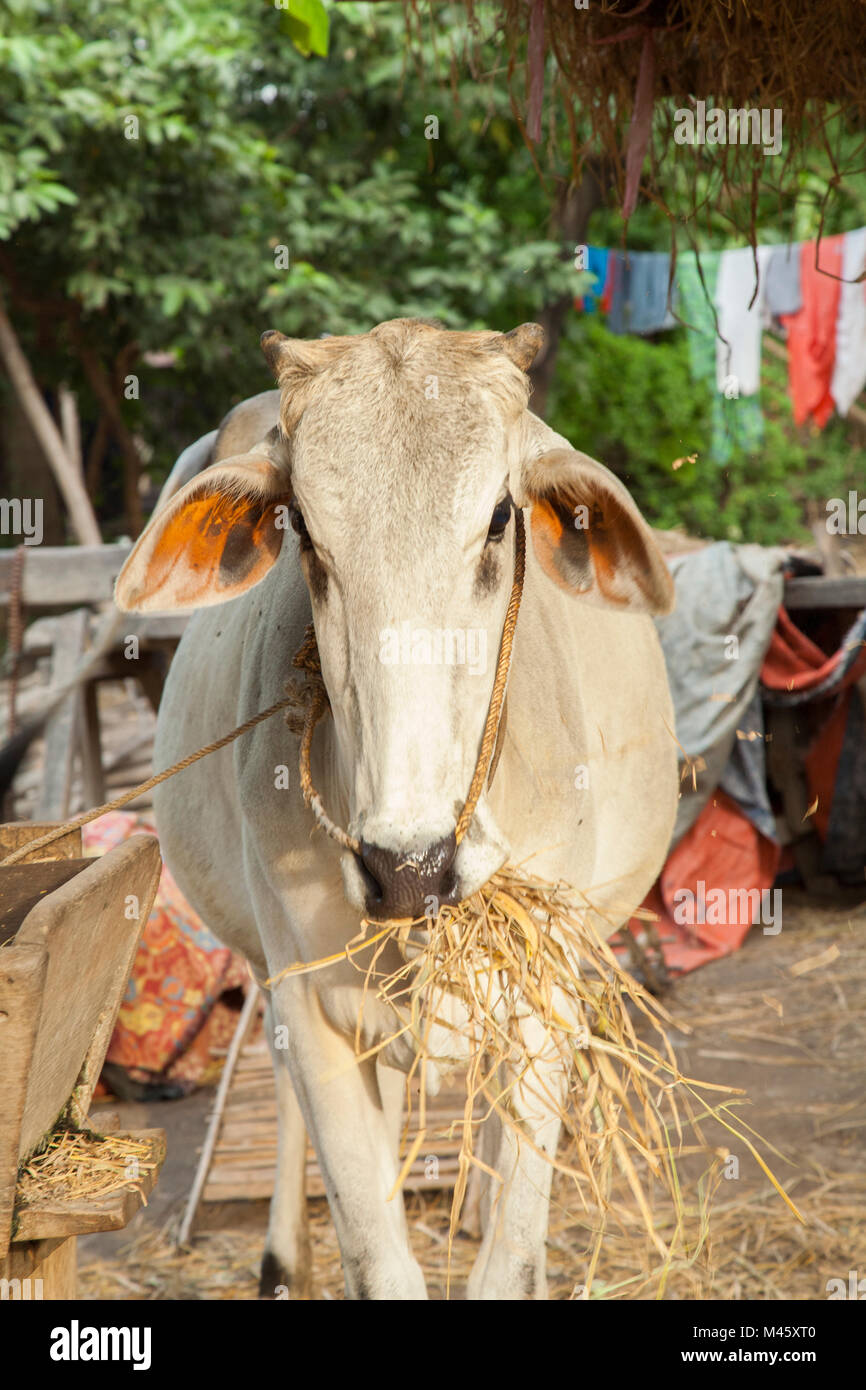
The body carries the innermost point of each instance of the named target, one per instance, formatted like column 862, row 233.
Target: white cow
column 399, row 455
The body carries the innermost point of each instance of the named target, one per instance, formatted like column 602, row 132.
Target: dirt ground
column 784, row 1019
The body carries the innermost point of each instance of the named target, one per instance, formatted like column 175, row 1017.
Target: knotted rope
column 306, row 701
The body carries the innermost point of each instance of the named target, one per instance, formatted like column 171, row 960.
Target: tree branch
column 69, row 481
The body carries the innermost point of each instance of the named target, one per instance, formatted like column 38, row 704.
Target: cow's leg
column 512, row 1261
column 392, row 1089
column 343, row 1108
column 287, row 1260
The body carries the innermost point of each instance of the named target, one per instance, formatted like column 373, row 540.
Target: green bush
column 631, row 403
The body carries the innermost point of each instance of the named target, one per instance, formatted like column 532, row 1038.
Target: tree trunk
column 69, row 480
column 108, row 394
column 575, row 205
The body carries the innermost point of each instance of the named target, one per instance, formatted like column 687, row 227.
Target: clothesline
column 821, row 310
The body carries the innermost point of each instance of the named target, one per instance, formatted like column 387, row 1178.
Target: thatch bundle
column 621, row 68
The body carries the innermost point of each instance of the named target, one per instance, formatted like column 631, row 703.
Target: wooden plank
column 66, row 575
column 41, row 1270
column 65, row 1217
column 14, row 834
column 818, row 592
column 92, row 775
column 22, row 980
column 91, row 943
column 249, row 1011
column 63, row 728
column 22, row 886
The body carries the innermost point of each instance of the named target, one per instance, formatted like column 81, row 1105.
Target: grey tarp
column 714, row 643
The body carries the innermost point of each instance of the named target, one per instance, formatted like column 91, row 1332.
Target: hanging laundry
column 812, row 332
column 596, row 265
column 739, row 306
column 735, row 421
column 639, row 301
column 782, row 294
column 849, row 369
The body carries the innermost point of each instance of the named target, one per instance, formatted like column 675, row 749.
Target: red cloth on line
column 812, row 332
column 723, row 849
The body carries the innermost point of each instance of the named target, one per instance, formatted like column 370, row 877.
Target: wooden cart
column 69, row 929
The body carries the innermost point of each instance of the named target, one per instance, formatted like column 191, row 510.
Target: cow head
column 400, row 458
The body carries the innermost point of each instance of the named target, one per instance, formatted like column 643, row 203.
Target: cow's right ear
column 211, row 542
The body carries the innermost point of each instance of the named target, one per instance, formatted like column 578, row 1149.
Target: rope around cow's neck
column 307, row 658
column 316, row 702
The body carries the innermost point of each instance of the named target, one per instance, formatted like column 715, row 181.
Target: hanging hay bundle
column 620, row 71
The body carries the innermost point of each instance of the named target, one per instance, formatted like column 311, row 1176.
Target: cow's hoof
column 278, row 1282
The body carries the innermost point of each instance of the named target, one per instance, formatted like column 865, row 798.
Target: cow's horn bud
column 272, row 342
column 522, row 344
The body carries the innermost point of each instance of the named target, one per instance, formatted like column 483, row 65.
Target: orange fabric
column 812, row 332
column 793, row 661
column 822, row 764
column 723, row 850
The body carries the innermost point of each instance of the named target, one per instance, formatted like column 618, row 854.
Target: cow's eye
column 500, row 519
column 297, row 520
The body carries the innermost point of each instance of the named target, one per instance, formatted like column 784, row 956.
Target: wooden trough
column 69, row 929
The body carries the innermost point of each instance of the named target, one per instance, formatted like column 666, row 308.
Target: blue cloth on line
column 639, row 302
column 596, row 264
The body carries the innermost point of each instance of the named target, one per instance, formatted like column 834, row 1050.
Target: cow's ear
column 589, row 536
column 212, row 541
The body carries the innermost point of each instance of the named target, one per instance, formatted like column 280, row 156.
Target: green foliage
column 179, row 176
column 631, row 403
column 307, row 24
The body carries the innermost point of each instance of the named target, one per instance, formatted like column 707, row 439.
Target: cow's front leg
column 353, row 1137
column 512, row 1261
column 287, row 1260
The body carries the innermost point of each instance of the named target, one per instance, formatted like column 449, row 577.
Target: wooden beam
column 63, row 576
column 817, row 592
column 63, row 730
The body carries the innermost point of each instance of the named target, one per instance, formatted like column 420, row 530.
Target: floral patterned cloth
column 175, row 1021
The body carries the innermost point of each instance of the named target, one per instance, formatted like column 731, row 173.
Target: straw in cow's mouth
column 524, row 947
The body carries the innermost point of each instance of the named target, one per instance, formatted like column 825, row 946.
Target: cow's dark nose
column 401, row 884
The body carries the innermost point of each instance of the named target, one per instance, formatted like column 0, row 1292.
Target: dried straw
column 79, row 1165
column 578, row 70
column 523, row 949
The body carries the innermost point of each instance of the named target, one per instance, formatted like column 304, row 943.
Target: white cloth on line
column 849, row 370
column 739, row 355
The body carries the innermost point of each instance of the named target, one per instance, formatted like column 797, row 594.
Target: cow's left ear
column 212, row 541
column 589, row 536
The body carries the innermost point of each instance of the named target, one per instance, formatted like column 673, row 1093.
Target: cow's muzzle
column 408, row 884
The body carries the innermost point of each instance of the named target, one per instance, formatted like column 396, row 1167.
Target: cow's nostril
column 400, row 883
